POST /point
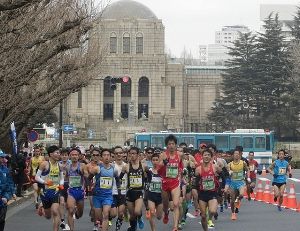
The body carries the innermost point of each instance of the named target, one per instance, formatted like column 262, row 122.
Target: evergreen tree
column 295, row 27
column 233, row 107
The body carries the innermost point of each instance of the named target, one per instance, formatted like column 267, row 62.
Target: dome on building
column 128, row 9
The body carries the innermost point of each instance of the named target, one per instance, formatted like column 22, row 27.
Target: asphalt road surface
column 254, row 216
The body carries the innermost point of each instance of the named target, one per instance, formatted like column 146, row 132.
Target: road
column 254, row 216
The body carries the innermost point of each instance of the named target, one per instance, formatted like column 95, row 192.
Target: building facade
column 159, row 94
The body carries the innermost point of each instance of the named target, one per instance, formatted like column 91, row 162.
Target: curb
column 13, row 203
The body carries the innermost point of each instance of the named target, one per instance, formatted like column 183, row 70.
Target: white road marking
column 190, row 215
column 294, row 179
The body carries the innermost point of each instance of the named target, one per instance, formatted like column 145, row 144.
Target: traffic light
column 115, row 80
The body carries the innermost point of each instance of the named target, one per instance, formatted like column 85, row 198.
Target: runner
column 50, row 175
column 279, row 169
column 154, row 194
column 237, row 169
column 170, row 170
column 136, row 179
column 64, row 164
column 35, row 161
column 208, row 183
column 253, row 165
column 102, row 193
column 75, row 173
column 119, row 198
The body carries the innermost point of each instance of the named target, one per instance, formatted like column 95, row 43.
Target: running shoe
column 182, row 222
column 279, row 208
column 210, row 224
column 179, row 227
column 62, row 225
column 95, row 228
column 109, row 223
column 233, row 216
column 236, row 210
column 141, row 223
column 166, row 218
column 118, row 224
column 67, row 227
column 148, row 214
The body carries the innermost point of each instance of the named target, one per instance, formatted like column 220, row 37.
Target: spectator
column 18, row 167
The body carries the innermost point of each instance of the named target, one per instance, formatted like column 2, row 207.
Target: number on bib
column 208, row 184
column 172, row 172
column 251, row 168
column 136, row 181
column 75, row 181
column 55, row 179
column 282, row 171
column 106, row 182
column 155, row 187
column 238, row 176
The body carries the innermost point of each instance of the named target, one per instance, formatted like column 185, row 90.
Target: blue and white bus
column 257, row 140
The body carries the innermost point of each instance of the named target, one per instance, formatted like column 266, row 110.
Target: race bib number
column 251, row 168
column 155, row 187
column 106, row 182
column 123, row 184
column 238, row 176
column 55, row 179
column 136, row 181
column 172, row 172
column 208, row 184
column 75, row 181
column 282, row 171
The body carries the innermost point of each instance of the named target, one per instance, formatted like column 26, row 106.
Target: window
column 235, row 141
column 188, row 140
column 124, row 111
column 221, row 141
column 143, row 111
column 108, row 111
column 143, row 87
column 158, row 141
column 260, row 142
column 79, row 103
column 107, row 91
column 113, row 43
column 126, row 43
column 139, row 44
column 172, row 97
column 268, row 143
column 248, row 142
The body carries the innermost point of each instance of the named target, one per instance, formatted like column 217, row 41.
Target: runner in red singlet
column 170, row 171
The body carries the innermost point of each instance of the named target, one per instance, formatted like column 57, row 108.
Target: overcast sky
column 189, row 23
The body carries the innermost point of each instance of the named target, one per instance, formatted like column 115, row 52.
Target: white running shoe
column 67, row 227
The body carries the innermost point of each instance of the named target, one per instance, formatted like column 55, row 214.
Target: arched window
column 126, row 43
column 107, row 91
column 113, row 43
column 143, row 98
column 139, row 43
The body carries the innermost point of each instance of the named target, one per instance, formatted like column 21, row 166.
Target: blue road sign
column 33, row 136
column 68, row 128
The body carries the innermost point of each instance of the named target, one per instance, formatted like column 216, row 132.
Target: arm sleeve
column 38, row 177
column 62, row 179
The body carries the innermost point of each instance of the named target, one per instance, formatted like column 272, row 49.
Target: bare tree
column 45, row 55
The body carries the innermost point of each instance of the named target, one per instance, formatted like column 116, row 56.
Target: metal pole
column 60, row 124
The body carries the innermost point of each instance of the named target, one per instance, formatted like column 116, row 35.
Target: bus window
column 221, row 142
column 158, row 141
column 268, row 143
column 188, row 140
column 248, row 142
column 142, row 144
column 235, row 141
column 260, row 142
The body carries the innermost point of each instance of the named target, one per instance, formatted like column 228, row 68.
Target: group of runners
column 120, row 183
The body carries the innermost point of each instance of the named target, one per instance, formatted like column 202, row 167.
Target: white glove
column 230, row 172
column 249, row 180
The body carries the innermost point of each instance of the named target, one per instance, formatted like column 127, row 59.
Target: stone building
column 159, row 94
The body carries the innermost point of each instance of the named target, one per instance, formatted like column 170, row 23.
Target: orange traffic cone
column 264, row 171
column 291, row 199
column 266, row 195
column 259, row 193
column 284, row 203
column 271, row 201
column 298, row 209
